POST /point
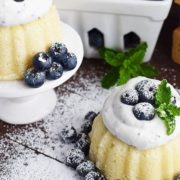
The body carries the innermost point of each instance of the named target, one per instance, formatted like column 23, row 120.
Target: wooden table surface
column 35, row 151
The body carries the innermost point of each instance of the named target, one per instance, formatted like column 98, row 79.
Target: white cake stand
column 20, row 104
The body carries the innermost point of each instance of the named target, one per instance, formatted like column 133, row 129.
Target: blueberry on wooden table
column 69, row 134
column 86, row 127
column 83, row 143
column 90, row 116
column 85, row 167
column 94, row 175
column 74, row 157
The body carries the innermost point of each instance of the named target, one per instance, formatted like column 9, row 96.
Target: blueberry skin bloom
column 69, row 134
column 130, row 97
column 69, row 62
column 34, row 78
column 42, row 61
column 146, row 90
column 54, row 72
column 58, row 52
column 74, row 157
column 85, row 167
column 144, row 111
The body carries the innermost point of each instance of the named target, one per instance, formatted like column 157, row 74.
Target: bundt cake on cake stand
column 24, row 32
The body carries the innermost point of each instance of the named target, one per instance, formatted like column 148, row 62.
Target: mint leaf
column 124, row 76
column 135, row 59
column 170, row 124
column 163, row 94
column 148, row 71
column 165, row 109
column 141, row 47
column 168, row 118
column 110, row 78
column 129, row 64
column 173, row 110
column 112, row 57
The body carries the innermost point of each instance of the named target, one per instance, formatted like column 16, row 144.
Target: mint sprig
column 126, row 65
column 164, row 107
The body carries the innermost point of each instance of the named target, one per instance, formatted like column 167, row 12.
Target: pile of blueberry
column 142, row 98
column 77, row 158
column 50, row 65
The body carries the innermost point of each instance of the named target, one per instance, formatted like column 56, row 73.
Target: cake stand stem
column 27, row 109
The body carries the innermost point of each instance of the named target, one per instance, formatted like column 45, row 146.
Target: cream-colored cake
column 119, row 161
column 114, row 155
column 22, row 38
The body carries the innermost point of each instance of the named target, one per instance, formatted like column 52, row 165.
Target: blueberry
column 130, row 97
column 83, row 143
column 74, row 157
column 42, row 61
column 90, row 116
column 146, row 90
column 94, row 175
column 144, row 111
column 177, row 177
column 69, row 134
column 85, row 167
column 34, row 78
column 86, row 127
column 55, row 71
column 58, row 52
column 69, row 62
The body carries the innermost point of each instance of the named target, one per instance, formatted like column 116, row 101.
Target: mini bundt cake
column 26, row 28
column 132, row 143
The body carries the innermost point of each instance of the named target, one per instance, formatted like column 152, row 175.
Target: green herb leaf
column 124, row 76
column 167, row 117
column 148, row 71
column 173, row 110
column 129, row 64
column 170, row 124
column 112, row 57
column 165, row 109
column 141, row 47
column 163, row 94
column 110, row 78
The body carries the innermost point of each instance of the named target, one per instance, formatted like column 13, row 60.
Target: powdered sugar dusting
column 40, row 161
column 75, row 98
column 20, row 163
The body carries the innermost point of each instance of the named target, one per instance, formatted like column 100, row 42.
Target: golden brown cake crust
column 18, row 44
column 119, row 161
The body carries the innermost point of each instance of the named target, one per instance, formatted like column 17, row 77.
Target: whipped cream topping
column 16, row 12
column 121, row 122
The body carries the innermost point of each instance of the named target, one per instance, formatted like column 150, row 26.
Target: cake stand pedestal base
column 27, row 109
column 20, row 104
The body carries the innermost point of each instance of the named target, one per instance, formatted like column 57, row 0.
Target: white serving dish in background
column 115, row 19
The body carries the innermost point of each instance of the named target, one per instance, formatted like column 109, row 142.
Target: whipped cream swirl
column 121, row 122
column 16, row 12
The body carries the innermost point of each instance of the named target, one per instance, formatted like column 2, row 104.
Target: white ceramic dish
column 20, row 104
column 115, row 19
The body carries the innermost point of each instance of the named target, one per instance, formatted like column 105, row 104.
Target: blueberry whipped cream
column 17, row 12
column 130, row 114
